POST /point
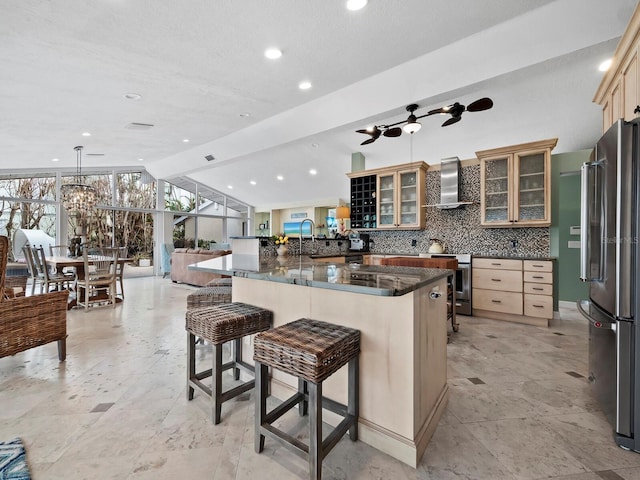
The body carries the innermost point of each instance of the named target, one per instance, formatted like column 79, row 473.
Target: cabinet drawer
column 497, row 263
column 538, row 266
column 505, row 302
column 538, row 288
column 504, row 280
column 538, row 306
column 538, row 277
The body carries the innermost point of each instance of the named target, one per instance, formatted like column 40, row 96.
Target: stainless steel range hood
column 450, row 185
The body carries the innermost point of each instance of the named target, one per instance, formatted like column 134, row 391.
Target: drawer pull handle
column 538, row 306
column 496, row 280
column 496, row 264
column 538, row 288
column 496, row 301
column 538, row 276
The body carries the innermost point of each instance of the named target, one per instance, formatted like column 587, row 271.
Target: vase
column 282, row 250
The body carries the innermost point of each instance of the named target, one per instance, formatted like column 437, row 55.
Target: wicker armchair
column 27, row 322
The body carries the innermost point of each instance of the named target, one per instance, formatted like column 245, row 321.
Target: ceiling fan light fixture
column 413, row 126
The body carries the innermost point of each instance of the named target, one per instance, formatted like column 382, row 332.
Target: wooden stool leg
column 237, row 357
column 191, row 363
column 303, row 406
column 216, row 383
column 353, row 405
column 315, row 430
column 261, row 379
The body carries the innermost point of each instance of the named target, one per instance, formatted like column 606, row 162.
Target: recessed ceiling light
column 354, row 5
column 273, row 53
column 229, row 187
column 141, row 159
column 132, row 96
column 55, row 159
column 252, row 182
column 313, row 171
column 304, row 85
column 245, row 114
column 185, row 140
column 604, row 66
column 86, row 134
column 280, row 177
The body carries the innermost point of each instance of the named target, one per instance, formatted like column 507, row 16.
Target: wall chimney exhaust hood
column 449, row 185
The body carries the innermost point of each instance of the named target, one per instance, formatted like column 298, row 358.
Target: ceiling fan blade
column 368, row 140
column 363, row 131
column 479, row 105
column 451, row 121
column 393, row 132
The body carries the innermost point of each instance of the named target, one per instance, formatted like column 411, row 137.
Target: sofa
column 181, row 258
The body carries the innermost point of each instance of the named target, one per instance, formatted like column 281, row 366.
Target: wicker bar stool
column 219, row 282
column 219, row 324
column 312, row 351
column 209, row 296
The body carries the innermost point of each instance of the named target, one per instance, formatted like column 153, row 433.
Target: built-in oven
column 463, row 280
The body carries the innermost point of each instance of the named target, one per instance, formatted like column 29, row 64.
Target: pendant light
column 78, row 198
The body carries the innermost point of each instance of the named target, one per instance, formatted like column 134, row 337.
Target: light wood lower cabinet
column 538, row 287
column 505, row 302
column 513, row 290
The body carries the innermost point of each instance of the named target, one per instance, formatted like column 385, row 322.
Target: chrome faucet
column 313, row 229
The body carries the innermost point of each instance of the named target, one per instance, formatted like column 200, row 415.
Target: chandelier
column 78, row 198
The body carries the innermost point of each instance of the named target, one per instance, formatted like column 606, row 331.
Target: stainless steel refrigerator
column 609, row 262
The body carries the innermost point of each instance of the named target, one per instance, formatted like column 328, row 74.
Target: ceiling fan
column 412, row 125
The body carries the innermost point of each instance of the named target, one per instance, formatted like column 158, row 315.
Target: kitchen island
column 401, row 313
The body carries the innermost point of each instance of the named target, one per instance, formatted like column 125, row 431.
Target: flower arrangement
column 281, row 239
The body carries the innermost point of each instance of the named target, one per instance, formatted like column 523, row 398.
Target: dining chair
column 99, row 282
column 122, row 253
column 62, row 251
column 59, row 280
column 34, row 273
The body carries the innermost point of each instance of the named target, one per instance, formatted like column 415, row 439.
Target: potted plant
column 143, row 259
column 281, row 242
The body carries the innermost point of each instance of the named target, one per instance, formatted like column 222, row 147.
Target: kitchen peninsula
column 401, row 313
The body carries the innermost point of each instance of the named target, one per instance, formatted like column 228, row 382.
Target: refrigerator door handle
column 603, row 323
column 587, row 193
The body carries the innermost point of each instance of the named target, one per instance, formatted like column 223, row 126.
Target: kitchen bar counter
column 401, row 313
column 518, row 257
column 302, row 270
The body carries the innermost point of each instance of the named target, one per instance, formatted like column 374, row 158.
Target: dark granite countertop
column 517, row 257
column 380, row 280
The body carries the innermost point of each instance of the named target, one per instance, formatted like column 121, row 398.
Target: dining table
column 59, row 262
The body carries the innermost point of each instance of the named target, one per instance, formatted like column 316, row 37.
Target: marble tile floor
column 519, row 407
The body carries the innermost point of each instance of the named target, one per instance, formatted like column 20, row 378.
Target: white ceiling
column 199, row 64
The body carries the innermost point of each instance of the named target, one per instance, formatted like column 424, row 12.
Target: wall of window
column 127, row 211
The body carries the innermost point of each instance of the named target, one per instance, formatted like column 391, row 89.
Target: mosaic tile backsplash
column 458, row 228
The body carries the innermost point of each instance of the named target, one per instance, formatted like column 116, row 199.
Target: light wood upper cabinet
column 399, row 199
column 630, row 86
column 619, row 90
column 515, row 185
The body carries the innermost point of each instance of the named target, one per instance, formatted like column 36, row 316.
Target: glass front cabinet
column 515, row 185
column 400, row 197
